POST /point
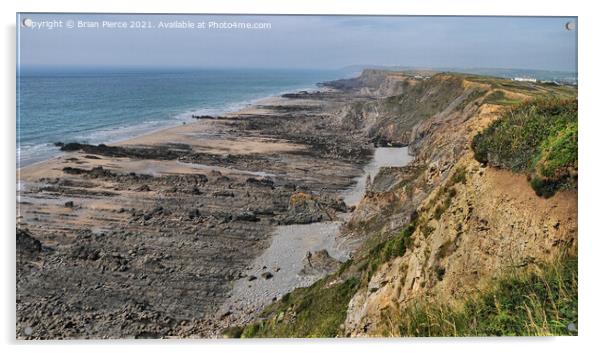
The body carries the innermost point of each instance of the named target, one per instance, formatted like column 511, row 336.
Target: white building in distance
column 524, row 79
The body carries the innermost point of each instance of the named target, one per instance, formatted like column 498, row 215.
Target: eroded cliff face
column 402, row 101
column 493, row 223
column 438, row 230
column 372, row 83
column 472, row 223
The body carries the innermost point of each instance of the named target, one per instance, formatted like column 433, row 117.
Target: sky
column 300, row 42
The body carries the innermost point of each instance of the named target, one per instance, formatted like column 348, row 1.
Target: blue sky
column 317, row 42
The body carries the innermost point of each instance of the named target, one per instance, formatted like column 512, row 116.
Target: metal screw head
column 569, row 26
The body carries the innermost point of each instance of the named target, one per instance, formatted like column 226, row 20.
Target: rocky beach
column 327, row 213
column 149, row 236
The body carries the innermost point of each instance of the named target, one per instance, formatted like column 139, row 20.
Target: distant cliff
column 449, row 240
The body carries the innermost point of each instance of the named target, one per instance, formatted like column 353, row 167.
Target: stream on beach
column 284, row 258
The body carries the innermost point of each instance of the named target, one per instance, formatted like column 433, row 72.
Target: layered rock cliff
column 444, row 228
column 475, row 222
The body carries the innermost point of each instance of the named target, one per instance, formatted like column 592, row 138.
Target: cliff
column 448, row 232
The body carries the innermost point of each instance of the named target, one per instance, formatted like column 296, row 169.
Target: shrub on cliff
column 391, row 248
column 538, row 137
column 556, row 164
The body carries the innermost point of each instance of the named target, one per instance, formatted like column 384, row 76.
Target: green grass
column 539, row 302
column 539, row 138
column 389, row 249
column 527, row 88
column 441, row 208
column 555, row 166
column 444, row 196
column 427, row 230
column 459, row 176
column 499, row 98
column 315, row 311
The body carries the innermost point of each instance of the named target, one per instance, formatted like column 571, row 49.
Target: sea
column 106, row 106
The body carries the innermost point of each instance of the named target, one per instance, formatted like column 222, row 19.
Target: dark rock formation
column 27, row 245
column 319, row 263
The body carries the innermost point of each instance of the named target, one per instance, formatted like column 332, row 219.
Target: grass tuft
column 539, row 138
column 315, row 311
column 540, row 302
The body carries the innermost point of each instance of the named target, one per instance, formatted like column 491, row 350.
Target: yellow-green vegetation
column 499, row 98
column 391, row 248
column 447, row 193
column 538, row 137
column 451, row 193
column 315, row 311
column 526, row 88
column 537, row 302
column 556, row 164
column 459, row 176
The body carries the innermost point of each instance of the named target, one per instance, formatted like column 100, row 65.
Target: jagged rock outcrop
column 305, row 208
column 395, row 119
column 318, row 263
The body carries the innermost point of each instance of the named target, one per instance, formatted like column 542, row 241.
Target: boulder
column 319, row 263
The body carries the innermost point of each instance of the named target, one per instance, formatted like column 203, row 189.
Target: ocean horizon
column 105, row 106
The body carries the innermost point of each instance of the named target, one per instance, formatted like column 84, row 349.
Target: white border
column 590, row 127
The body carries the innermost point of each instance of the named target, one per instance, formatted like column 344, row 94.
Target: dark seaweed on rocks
column 161, row 152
